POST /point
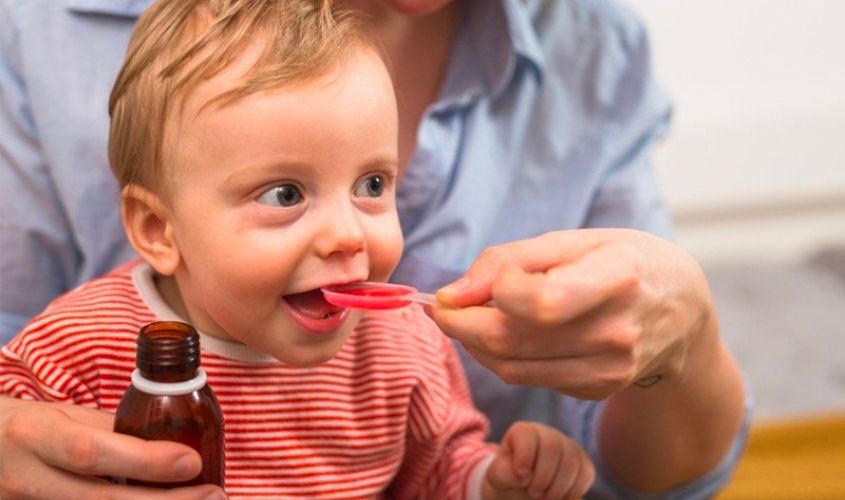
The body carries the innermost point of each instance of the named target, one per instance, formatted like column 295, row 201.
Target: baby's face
column 279, row 194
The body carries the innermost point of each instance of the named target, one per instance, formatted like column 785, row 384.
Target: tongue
column 312, row 304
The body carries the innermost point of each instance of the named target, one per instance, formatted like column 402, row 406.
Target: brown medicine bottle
column 170, row 400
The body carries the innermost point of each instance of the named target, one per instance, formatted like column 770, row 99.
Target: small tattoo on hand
column 648, row 381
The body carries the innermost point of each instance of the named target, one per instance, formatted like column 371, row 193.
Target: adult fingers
column 535, row 254
column 586, row 377
column 565, row 292
column 67, row 444
column 489, row 330
column 88, row 416
column 72, row 486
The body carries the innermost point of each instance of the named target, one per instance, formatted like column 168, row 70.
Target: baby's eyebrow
column 384, row 163
column 249, row 173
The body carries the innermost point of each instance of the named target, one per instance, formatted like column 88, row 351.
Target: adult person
column 517, row 120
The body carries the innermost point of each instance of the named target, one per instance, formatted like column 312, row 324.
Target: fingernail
column 217, row 495
column 455, row 286
column 186, row 467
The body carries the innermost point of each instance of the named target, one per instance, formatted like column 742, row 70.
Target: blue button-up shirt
column 545, row 121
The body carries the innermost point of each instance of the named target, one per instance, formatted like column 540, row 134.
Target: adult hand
column 586, row 312
column 51, row 450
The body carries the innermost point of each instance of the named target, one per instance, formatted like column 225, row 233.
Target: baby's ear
column 146, row 220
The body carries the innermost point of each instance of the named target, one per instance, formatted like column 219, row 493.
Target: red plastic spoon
column 370, row 295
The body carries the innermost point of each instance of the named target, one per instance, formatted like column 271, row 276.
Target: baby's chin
column 304, row 356
column 305, row 360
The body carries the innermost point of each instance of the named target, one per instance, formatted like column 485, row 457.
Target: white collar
column 143, row 277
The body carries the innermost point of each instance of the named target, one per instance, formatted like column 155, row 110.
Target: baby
column 256, row 146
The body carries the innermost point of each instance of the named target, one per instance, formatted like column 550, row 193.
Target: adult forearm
column 665, row 435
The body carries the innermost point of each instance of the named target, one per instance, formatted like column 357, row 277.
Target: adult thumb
column 474, row 288
column 536, row 254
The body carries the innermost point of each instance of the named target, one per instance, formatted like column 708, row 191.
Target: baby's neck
column 169, row 291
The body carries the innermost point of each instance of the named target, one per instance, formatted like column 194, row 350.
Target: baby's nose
column 341, row 234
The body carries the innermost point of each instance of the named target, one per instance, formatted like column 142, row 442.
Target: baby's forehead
column 185, row 58
column 359, row 83
column 194, row 105
column 231, row 84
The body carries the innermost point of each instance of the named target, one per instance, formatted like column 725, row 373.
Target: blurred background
column 754, row 171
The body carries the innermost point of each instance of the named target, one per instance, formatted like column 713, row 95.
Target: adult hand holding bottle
column 48, row 447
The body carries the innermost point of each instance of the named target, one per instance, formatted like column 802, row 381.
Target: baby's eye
column 286, row 195
column 373, row 186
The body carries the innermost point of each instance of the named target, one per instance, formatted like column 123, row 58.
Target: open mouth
column 312, row 312
column 312, row 304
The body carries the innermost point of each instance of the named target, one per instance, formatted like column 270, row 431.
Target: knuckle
column 546, row 304
column 82, row 451
column 496, row 255
column 18, row 428
column 489, row 254
column 622, row 338
column 628, row 280
column 498, row 346
column 626, row 276
column 511, row 373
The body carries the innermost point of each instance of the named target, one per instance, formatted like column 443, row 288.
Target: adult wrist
column 699, row 343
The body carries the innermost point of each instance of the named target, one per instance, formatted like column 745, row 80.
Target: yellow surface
column 800, row 459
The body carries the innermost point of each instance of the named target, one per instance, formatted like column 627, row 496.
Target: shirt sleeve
column 580, row 421
column 35, row 262
column 637, row 117
column 29, row 372
column 446, row 455
column 637, row 114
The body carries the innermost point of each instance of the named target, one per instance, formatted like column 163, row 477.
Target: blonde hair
column 178, row 44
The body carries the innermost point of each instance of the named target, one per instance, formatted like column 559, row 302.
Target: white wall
column 755, row 174
column 758, row 143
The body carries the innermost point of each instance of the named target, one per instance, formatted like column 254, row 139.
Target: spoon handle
column 424, row 298
column 429, row 298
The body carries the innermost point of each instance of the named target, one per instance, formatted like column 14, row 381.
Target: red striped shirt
column 390, row 415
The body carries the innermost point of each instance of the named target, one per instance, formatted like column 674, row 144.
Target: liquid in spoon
column 371, row 295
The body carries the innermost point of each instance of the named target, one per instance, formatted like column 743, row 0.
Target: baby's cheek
column 238, row 297
column 385, row 257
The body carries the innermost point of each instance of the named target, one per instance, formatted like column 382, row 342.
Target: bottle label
column 168, row 388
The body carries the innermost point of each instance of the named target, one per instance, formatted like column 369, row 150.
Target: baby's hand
column 537, row 461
